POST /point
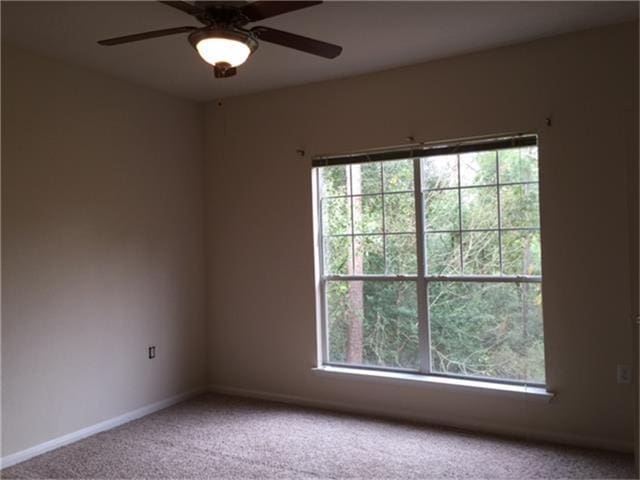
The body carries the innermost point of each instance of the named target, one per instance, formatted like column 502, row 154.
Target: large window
column 430, row 260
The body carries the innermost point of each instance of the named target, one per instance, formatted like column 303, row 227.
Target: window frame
column 421, row 278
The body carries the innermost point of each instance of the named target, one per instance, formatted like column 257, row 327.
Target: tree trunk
column 525, row 301
column 526, row 266
column 356, row 297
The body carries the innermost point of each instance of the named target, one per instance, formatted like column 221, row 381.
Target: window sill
column 478, row 386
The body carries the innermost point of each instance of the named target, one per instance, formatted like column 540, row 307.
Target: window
column 430, row 260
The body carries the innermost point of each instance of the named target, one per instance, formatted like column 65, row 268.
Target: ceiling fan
column 224, row 42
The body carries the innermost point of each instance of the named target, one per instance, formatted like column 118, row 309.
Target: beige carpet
column 228, row 437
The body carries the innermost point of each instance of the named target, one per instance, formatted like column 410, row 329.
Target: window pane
column 478, row 168
column 334, row 180
column 399, row 213
column 401, row 254
column 373, row 323
column 518, row 165
column 481, row 254
column 441, row 210
column 440, row 171
column 337, row 255
column 521, row 252
column 367, row 214
column 371, row 177
column 479, row 208
column 398, row 176
column 443, row 254
column 519, row 206
column 368, row 257
column 487, row 330
column 481, row 217
column 336, row 216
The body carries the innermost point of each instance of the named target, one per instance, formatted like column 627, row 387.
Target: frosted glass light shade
column 223, row 50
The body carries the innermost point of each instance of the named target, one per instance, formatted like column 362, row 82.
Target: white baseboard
column 72, row 437
column 465, row 424
column 568, row 439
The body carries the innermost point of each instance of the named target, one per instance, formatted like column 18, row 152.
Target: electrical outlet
column 152, row 352
column 624, row 374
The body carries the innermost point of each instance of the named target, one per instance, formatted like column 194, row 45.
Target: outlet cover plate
column 624, row 374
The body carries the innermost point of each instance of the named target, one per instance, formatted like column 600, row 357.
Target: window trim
column 428, row 149
column 421, row 279
column 527, row 391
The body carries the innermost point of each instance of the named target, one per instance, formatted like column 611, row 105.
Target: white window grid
column 422, row 278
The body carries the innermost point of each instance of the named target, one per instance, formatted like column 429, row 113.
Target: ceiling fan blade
column 146, row 35
column 260, row 10
column 297, row 42
column 185, row 7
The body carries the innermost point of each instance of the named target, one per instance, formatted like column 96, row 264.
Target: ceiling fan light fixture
column 223, row 47
column 225, row 42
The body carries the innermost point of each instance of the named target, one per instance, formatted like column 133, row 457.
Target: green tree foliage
column 481, row 218
column 390, row 336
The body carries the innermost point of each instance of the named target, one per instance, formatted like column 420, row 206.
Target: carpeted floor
column 228, row 437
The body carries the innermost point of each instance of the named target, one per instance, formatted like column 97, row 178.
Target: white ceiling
column 375, row 36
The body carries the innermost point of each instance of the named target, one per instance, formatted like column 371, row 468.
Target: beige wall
column 261, row 287
column 102, row 248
